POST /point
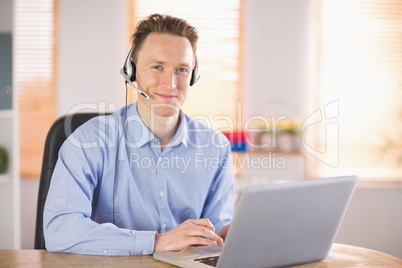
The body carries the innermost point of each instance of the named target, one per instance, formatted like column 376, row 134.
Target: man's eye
column 157, row 67
column 182, row 70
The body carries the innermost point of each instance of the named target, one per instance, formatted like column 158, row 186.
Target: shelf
column 276, row 152
column 6, row 114
column 5, row 178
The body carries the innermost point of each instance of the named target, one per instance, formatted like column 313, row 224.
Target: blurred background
column 304, row 88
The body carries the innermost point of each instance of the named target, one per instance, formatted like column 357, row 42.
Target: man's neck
column 163, row 127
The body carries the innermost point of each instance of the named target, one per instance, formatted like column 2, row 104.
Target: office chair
column 57, row 134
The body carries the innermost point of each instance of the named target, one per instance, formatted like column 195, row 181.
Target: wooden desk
column 340, row 256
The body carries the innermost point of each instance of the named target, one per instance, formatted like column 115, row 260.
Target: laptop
column 276, row 225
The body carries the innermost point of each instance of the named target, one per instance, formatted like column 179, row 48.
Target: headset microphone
column 123, row 73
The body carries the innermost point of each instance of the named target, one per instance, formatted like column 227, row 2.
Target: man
column 162, row 182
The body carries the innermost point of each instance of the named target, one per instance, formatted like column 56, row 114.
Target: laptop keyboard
column 211, row 261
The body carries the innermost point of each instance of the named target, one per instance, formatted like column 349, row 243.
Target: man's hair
column 157, row 23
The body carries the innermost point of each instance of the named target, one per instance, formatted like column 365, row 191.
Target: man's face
column 163, row 72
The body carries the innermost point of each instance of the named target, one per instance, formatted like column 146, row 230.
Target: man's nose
column 169, row 79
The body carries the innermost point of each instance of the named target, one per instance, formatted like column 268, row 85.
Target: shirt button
column 144, row 252
column 162, row 194
column 164, row 226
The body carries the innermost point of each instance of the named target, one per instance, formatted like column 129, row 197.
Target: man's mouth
column 165, row 96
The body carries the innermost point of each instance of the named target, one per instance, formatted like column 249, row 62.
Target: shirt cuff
column 144, row 242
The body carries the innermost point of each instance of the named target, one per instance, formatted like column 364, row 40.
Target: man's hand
column 222, row 233
column 198, row 232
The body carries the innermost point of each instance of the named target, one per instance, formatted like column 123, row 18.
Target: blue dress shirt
column 154, row 191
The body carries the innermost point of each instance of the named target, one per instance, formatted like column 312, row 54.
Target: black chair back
column 56, row 136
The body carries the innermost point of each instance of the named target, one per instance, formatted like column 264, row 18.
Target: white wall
column 277, row 57
column 93, row 41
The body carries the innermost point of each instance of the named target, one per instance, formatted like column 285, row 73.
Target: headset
column 129, row 69
column 128, row 72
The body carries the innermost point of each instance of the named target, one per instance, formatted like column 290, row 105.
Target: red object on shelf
column 235, row 136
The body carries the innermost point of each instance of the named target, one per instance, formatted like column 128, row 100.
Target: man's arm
column 68, row 226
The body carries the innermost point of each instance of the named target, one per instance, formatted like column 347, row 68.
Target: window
column 214, row 97
column 360, row 67
column 35, row 79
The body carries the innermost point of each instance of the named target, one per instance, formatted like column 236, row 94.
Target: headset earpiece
column 133, row 70
column 129, row 69
column 195, row 75
column 129, row 66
